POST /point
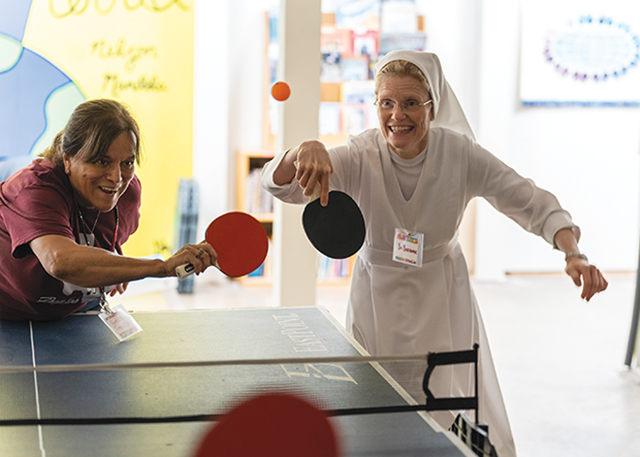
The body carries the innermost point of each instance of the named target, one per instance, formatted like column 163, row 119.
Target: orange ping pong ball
column 280, row 91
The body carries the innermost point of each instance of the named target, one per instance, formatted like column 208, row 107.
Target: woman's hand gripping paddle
column 336, row 230
column 240, row 241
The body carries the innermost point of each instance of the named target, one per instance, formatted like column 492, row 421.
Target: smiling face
column 406, row 132
column 101, row 183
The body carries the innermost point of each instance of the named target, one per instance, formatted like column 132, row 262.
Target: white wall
column 588, row 157
column 211, row 108
column 453, row 32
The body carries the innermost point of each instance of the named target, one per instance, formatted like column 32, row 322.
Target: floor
column 560, row 360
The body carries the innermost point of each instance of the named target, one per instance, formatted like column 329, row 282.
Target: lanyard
column 115, row 231
column 104, row 304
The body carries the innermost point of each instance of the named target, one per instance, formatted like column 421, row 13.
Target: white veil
column 446, row 108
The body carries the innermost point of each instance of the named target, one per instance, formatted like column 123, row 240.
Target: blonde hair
column 91, row 129
column 397, row 68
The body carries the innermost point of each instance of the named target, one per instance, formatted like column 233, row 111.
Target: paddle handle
column 184, row 270
column 187, row 269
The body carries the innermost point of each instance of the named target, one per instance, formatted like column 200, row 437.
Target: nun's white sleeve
column 343, row 160
column 289, row 193
column 534, row 209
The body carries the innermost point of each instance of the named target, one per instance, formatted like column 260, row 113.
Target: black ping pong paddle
column 336, row 230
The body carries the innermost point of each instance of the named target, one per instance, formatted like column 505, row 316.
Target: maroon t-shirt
column 38, row 200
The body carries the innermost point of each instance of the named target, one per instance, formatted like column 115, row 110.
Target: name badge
column 407, row 247
column 120, row 322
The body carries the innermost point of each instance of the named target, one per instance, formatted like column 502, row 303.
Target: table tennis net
column 194, row 389
column 203, row 391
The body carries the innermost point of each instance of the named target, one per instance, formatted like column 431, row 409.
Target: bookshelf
column 351, row 44
column 352, row 41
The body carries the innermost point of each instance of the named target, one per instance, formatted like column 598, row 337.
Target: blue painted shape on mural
column 13, row 17
column 58, row 108
column 24, row 91
column 10, row 51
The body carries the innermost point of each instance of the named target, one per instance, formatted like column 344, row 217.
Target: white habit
column 399, row 309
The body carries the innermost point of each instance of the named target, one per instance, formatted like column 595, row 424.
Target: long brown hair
column 91, row 129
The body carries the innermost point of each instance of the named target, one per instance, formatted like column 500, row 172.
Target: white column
column 496, row 101
column 294, row 259
column 211, row 110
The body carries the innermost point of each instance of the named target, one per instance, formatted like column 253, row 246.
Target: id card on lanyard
column 117, row 319
column 407, row 247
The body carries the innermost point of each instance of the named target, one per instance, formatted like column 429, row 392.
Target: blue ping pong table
column 170, row 392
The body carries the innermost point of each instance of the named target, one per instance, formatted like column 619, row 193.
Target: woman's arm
column 578, row 266
column 86, row 266
column 309, row 164
column 536, row 210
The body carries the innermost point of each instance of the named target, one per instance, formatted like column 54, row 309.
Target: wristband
column 568, row 255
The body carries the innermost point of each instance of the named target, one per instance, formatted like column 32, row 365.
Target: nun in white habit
column 414, row 176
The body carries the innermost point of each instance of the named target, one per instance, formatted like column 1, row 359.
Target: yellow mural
column 139, row 52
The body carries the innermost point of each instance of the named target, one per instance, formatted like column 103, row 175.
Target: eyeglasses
column 408, row 106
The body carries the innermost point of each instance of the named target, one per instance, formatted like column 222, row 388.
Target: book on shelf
column 393, row 42
column 336, row 40
column 257, row 200
column 398, row 16
column 331, row 69
column 365, row 42
column 332, row 269
column 358, row 92
column 358, row 14
column 355, row 68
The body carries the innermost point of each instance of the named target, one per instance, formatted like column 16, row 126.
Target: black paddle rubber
column 336, row 230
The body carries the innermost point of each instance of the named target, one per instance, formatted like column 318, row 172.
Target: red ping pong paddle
column 271, row 425
column 240, row 241
column 336, row 230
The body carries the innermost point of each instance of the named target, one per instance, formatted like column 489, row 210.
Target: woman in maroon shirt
column 64, row 218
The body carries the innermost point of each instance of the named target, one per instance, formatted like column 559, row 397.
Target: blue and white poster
column 55, row 54
column 37, row 95
column 577, row 52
